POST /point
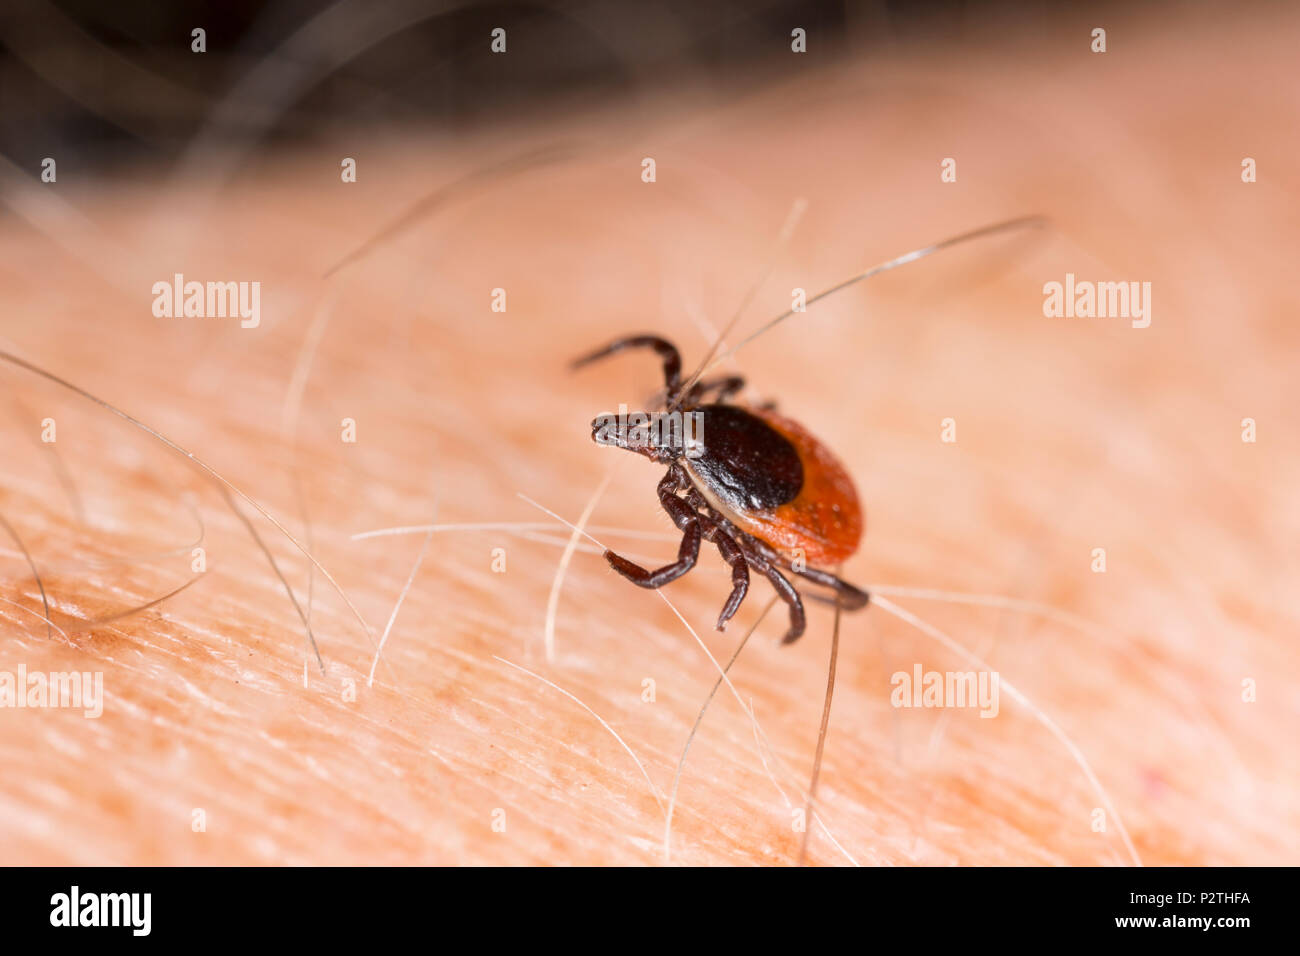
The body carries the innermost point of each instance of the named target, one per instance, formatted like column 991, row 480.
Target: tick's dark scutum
column 746, row 462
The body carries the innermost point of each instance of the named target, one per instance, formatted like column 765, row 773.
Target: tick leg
column 686, row 557
column 731, row 553
column 672, row 359
column 687, row 554
column 682, row 512
column 791, row 597
column 725, row 387
column 696, row 500
column 846, row 595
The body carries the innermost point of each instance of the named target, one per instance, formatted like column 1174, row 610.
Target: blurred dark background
column 100, row 83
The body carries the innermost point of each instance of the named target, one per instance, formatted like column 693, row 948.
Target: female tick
column 757, row 485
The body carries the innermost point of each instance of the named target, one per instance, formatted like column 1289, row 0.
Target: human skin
column 1072, row 434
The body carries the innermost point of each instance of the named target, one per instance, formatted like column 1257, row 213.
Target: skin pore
column 223, row 741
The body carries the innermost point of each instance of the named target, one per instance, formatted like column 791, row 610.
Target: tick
column 767, row 493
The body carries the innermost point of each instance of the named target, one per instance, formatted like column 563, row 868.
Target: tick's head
column 630, row 431
column 662, row 437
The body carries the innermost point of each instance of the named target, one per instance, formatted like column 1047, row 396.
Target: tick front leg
column 667, row 352
column 724, row 387
column 686, row 557
column 686, row 520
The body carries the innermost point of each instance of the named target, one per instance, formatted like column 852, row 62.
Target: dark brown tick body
column 760, row 487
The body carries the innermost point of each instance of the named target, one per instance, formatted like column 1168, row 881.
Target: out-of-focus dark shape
column 97, row 83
